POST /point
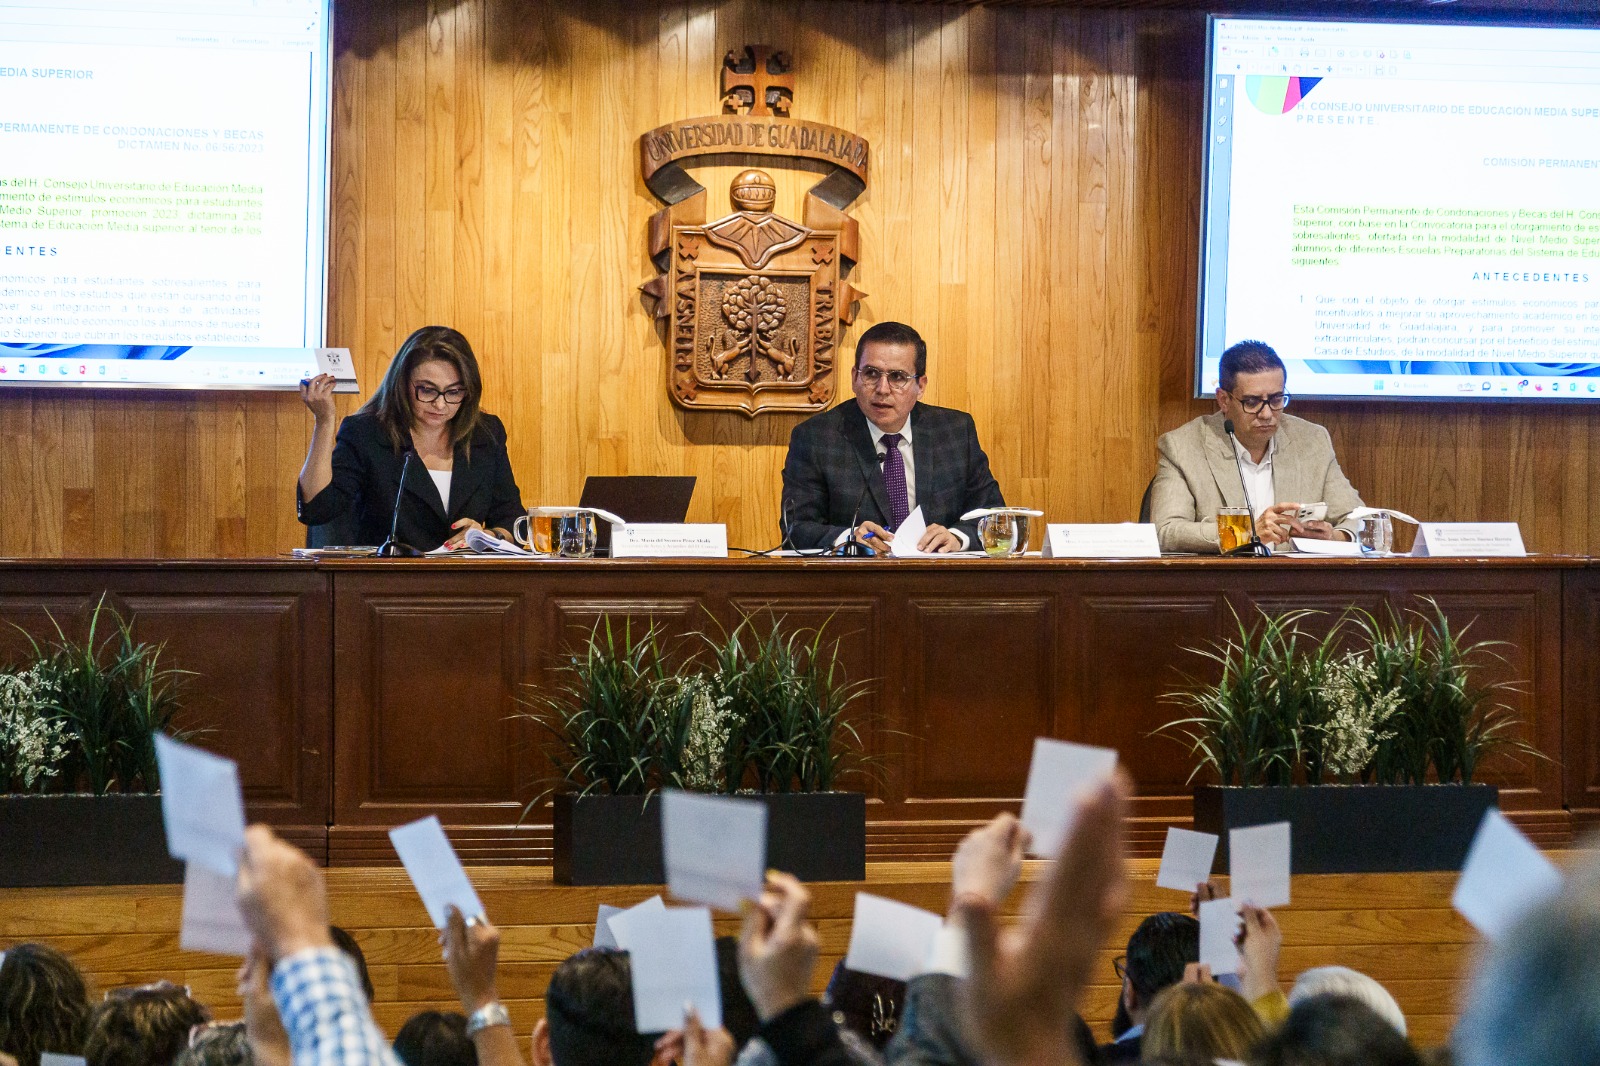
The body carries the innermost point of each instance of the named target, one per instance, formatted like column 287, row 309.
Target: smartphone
column 1313, row 512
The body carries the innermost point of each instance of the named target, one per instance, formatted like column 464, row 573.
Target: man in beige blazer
column 1286, row 461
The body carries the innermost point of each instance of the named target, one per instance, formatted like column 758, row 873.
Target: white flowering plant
column 33, row 743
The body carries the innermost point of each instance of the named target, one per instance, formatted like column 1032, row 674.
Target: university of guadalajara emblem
column 754, row 303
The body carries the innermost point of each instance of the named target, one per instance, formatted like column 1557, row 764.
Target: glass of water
column 1377, row 534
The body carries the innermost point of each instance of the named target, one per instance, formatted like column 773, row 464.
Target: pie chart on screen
column 1277, row 96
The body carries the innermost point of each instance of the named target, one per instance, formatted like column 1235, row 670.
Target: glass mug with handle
column 1002, row 531
column 570, row 532
column 1233, row 527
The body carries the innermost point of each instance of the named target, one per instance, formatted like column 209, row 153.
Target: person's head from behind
column 1335, row 1031
column 1250, row 391
column 44, row 1003
column 1158, row 950
column 890, row 373
column 347, row 944
column 435, row 1038
column 217, row 1045
column 145, row 1026
column 1200, row 1019
column 1535, row 1000
column 1343, row 981
column 432, row 383
column 588, row 1015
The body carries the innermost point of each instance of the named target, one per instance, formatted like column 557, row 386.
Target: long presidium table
column 358, row 695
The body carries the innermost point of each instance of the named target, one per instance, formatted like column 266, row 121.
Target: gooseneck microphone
column 394, row 547
column 852, row 548
column 1254, row 546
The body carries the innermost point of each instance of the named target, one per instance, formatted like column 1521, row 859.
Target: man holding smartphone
column 1281, row 467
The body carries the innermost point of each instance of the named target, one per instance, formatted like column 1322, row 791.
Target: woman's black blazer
column 366, row 479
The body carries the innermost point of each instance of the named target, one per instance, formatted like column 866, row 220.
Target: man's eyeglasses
column 1251, row 404
column 897, row 379
column 1120, row 966
column 427, row 393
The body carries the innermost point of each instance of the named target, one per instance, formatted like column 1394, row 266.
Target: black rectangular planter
column 1342, row 829
column 616, row 840
column 54, row 841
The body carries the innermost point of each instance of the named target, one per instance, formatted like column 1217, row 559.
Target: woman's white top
column 441, row 478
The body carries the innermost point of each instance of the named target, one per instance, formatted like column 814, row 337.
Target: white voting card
column 1186, row 860
column 603, row 936
column 1219, row 925
column 211, row 918
column 201, row 805
column 715, row 848
column 620, row 925
column 1258, row 865
column 1505, row 876
column 909, row 535
column 432, row 864
column 673, row 958
column 891, row 939
column 52, row 1058
column 1060, row 770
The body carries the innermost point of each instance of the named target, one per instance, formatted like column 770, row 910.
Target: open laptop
column 637, row 499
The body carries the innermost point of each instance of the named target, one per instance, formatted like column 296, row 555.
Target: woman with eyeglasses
column 427, row 407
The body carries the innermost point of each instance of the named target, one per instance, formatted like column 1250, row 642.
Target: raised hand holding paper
column 1258, row 864
column 201, row 805
column 622, row 924
column 1504, row 876
column 211, row 918
column 1186, row 860
column 715, row 848
column 1219, row 925
column 1060, row 770
column 891, row 939
column 432, row 864
column 673, row 959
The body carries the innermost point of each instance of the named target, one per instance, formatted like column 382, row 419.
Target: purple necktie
column 894, row 479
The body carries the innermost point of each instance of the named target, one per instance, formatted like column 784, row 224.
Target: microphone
column 393, row 548
column 852, row 548
column 1254, row 545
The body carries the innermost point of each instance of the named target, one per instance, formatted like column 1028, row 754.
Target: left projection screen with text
column 163, row 192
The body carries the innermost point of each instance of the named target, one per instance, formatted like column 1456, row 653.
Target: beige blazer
column 1196, row 474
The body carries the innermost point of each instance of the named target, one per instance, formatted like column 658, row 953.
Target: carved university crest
column 755, row 303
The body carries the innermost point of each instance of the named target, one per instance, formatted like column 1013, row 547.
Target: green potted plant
column 760, row 714
column 1366, row 739
column 78, row 777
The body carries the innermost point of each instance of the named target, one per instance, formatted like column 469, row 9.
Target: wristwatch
column 486, row 1016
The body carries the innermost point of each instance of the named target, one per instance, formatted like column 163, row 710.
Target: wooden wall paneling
column 1580, row 672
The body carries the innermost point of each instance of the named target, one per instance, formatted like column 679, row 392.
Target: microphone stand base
column 397, row 549
column 853, row 550
column 1250, row 548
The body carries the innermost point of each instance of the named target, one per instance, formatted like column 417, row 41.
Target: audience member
column 1343, row 981
column 471, row 957
column 435, row 1038
column 863, row 1005
column 217, row 1045
column 1337, row 1031
column 269, row 1044
column 1158, row 950
column 44, row 1003
column 738, row 1013
column 347, row 944
column 588, row 1015
column 1536, row 999
column 1200, row 1018
column 144, row 1026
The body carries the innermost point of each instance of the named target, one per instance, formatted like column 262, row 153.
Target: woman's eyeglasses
column 427, row 393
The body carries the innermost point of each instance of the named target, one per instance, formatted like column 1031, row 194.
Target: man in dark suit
column 874, row 461
column 1157, row 952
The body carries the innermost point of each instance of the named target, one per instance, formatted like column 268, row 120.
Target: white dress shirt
column 908, row 456
column 1257, row 476
column 441, row 481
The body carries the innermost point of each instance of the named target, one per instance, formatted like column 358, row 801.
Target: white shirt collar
column 878, row 434
column 1244, row 453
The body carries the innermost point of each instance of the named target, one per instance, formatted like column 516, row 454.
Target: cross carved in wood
column 757, row 82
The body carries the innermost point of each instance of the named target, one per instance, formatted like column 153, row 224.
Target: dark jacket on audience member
column 366, row 479
column 929, row 1032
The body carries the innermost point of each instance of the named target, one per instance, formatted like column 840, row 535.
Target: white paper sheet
column 211, row 918
column 1312, row 546
column 908, row 536
column 52, row 1058
column 201, row 805
column 1258, row 865
column 673, row 958
column 1505, row 876
column 1060, row 770
column 621, row 925
column 1186, row 859
column 715, row 848
column 1219, row 925
column 603, row 936
column 891, row 939
column 432, row 864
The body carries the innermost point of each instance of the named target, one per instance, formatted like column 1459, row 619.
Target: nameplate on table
column 669, row 540
column 1468, row 540
column 1117, row 540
